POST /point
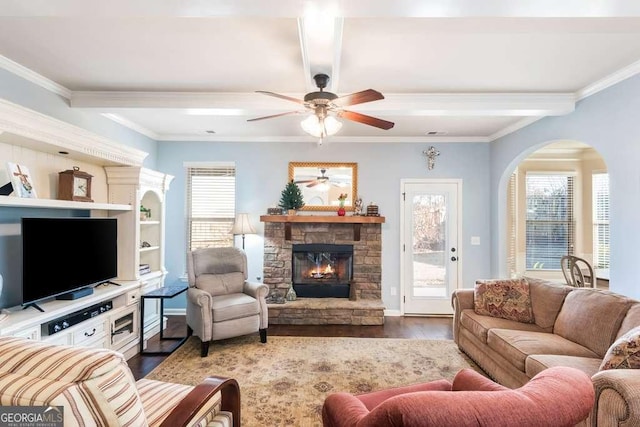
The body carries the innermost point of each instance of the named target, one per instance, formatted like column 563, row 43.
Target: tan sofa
column 573, row 327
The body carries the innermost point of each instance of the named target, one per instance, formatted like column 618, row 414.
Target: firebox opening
column 322, row 270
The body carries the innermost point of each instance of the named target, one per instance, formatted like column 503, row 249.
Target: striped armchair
column 97, row 388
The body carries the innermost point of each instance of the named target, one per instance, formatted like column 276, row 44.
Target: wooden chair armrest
column 198, row 397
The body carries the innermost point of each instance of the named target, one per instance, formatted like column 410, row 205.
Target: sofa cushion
column 479, row 324
column 516, row 346
column 592, row 318
column 624, row 353
column 506, row 299
column 631, row 320
column 537, row 363
column 546, row 301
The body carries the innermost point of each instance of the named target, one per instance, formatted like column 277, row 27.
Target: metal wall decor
column 431, row 154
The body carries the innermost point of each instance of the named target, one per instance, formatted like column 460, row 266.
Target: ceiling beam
column 320, row 38
column 425, row 104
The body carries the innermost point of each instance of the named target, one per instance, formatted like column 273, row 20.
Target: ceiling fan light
column 332, row 125
column 312, row 126
column 315, row 126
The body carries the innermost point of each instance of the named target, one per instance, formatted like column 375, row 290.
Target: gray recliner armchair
column 221, row 303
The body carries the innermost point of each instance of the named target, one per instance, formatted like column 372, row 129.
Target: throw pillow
column 624, row 353
column 507, row 299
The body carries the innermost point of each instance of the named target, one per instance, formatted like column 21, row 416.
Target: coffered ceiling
column 449, row 70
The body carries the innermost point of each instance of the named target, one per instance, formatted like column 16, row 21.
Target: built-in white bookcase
column 119, row 187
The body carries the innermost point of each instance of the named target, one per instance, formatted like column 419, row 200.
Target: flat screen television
column 62, row 255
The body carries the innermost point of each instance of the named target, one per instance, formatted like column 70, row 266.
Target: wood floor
column 394, row 327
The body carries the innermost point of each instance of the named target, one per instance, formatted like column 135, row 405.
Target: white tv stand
column 116, row 329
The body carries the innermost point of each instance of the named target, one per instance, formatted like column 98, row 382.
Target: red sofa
column 556, row 397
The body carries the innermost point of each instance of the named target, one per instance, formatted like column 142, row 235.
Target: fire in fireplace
column 322, row 270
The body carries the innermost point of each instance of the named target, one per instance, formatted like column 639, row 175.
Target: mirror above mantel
column 321, row 183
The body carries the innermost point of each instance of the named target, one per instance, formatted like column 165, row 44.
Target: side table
column 161, row 294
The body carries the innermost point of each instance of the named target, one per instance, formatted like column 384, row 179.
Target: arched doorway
column 557, row 204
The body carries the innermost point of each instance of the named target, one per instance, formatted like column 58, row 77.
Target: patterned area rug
column 284, row 382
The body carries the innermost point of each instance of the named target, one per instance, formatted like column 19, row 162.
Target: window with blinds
column 600, row 197
column 211, row 205
column 550, row 226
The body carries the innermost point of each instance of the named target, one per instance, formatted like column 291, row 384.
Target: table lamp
column 242, row 226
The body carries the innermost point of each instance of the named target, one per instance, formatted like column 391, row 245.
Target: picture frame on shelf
column 21, row 180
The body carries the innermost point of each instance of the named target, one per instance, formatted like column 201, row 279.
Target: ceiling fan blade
column 274, row 115
column 285, row 97
column 313, row 184
column 367, row 120
column 358, row 98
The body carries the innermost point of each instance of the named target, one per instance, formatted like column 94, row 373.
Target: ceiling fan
column 321, row 124
column 322, row 179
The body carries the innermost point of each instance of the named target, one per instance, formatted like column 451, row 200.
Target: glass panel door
column 430, row 247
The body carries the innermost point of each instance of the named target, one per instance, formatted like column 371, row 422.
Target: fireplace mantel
column 357, row 221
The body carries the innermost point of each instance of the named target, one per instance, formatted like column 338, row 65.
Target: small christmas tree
column 291, row 197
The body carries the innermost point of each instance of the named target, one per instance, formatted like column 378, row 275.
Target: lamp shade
column 242, row 225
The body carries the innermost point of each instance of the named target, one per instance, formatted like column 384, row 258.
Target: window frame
column 223, row 218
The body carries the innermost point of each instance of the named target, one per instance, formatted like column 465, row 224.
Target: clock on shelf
column 73, row 184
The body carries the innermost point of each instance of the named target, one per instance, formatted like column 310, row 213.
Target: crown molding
column 131, row 125
column 329, row 140
column 33, row 77
column 513, row 127
column 29, row 128
column 610, row 80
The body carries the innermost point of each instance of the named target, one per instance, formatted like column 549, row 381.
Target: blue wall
column 609, row 122
column 262, row 172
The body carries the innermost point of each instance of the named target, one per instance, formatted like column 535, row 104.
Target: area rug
column 285, row 382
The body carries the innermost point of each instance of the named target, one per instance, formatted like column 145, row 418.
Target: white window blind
column 600, row 197
column 211, row 206
column 550, row 227
column 512, row 224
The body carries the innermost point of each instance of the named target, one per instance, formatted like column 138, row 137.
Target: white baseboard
column 175, row 311
column 392, row 313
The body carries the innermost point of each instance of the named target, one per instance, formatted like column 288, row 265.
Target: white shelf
column 149, row 222
column 149, row 249
column 18, row 202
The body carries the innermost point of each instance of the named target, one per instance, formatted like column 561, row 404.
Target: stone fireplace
column 349, row 292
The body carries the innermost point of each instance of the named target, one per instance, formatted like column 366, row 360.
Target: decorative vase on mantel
column 291, row 212
column 291, row 294
column 341, row 209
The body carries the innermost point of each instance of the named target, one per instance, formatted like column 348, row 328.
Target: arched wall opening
column 533, row 248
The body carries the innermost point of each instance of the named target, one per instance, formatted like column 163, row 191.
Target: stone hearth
column 365, row 306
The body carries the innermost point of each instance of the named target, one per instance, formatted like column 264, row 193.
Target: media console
column 69, row 320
